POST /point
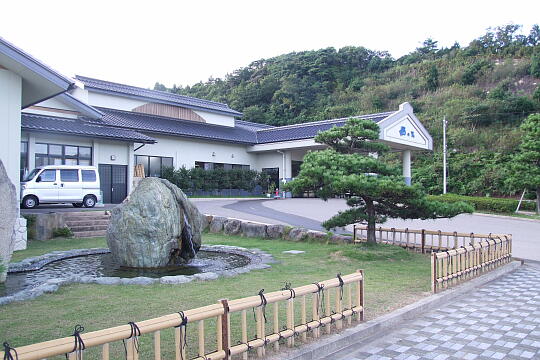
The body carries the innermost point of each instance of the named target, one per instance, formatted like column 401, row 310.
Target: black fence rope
column 7, row 352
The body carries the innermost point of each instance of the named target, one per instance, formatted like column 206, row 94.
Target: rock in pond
column 156, row 226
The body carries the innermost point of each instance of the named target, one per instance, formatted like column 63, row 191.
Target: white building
column 115, row 126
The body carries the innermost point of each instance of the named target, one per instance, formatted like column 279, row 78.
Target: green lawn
column 394, row 278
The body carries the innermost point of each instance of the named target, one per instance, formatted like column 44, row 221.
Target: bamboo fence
column 451, row 267
column 425, row 240
column 346, row 292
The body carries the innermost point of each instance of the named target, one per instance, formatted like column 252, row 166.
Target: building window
column 54, row 154
column 211, row 166
column 295, row 168
column 154, row 165
column 24, row 158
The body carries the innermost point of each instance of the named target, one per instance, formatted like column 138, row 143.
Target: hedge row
column 197, row 179
column 498, row 205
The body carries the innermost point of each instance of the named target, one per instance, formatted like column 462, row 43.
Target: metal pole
column 444, row 155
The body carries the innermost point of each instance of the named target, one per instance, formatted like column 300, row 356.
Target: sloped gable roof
column 156, row 96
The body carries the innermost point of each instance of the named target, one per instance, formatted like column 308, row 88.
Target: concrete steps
column 87, row 223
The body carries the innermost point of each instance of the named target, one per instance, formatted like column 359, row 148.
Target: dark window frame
column 63, row 157
column 147, row 167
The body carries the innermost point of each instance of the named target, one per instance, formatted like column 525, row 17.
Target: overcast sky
column 183, row 42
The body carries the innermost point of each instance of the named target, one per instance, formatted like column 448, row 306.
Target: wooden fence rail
column 346, row 292
column 425, row 240
column 451, row 267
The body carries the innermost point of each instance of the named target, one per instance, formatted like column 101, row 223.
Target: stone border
column 258, row 260
column 239, row 227
column 338, row 345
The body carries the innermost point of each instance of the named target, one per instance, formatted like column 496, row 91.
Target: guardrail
column 424, row 240
column 451, row 267
column 347, row 293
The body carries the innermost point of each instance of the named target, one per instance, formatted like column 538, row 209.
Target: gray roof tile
column 310, row 129
column 79, row 127
column 157, row 96
column 241, row 133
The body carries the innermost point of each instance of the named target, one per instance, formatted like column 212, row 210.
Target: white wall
column 10, row 121
column 113, row 102
column 217, row 119
column 186, row 151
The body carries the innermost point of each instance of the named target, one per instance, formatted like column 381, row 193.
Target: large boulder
column 9, row 212
column 156, row 226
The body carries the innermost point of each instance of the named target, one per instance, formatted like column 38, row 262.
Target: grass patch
column 394, row 278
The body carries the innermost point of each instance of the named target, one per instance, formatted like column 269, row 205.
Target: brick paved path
column 500, row 320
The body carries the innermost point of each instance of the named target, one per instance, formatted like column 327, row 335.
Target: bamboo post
column 423, row 241
column 73, row 356
column 407, row 238
column 349, row 302
column 440, row 240
column 157, row 345
column 393, row 236
column 276, row 324
column 219, row 333
column 290, row 320
column 201, row 338
column 360, row 296
column 180, row 349
column 354, row 233
column 455, row 240
column 339, row 323
column 315, row 311
column 304, row 317
column 327, row 310
column 225, row 328
column 105, row 351
column 433, row 272
column 260, row 331
column 130, row 351
column 243, row 317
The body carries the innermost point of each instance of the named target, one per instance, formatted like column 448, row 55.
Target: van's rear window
column 68, row 175
column 88, row 175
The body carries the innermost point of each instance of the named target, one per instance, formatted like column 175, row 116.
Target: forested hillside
column 485, row 90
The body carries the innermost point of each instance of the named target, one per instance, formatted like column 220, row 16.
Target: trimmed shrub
column 499, row 205
column 62, row 232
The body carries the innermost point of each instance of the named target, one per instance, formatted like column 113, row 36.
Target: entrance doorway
column 113, row 183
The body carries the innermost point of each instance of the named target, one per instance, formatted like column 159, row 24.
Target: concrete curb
column 337, row 345
column 506, row 217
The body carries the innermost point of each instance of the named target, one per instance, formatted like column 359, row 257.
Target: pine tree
column 374, row 190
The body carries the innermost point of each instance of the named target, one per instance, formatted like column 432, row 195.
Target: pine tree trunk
column 371, row 223
column 538, row 201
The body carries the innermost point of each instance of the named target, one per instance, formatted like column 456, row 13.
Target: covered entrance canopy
column 401, row 130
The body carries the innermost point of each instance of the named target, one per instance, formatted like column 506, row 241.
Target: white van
column 78, row 185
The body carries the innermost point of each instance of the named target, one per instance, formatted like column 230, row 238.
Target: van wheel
column 89, row 201
column 30, row 202
column 77, row 205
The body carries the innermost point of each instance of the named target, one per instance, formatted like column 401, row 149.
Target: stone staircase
column 87, row 223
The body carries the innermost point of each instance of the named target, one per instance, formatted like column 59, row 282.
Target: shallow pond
column 104, row 265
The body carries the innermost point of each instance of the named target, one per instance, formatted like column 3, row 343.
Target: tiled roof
column 310, row 129
column 157, row 96
column 241, row 133
column 80, row 127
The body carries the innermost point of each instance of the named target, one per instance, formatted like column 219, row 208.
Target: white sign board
column 406, row 132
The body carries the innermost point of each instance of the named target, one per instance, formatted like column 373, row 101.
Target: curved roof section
column 310, row 129
column 43, row 123
column 156, row 96
column 241, row 133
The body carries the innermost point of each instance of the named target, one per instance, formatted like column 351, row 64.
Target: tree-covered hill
column 485, row 90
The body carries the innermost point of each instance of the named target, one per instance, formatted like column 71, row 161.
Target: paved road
column 311, row 212
column 500, row 320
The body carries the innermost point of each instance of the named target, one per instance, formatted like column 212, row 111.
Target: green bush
column 195, row 179
column 498, row 205
column 62, row 232
column 30, row 226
